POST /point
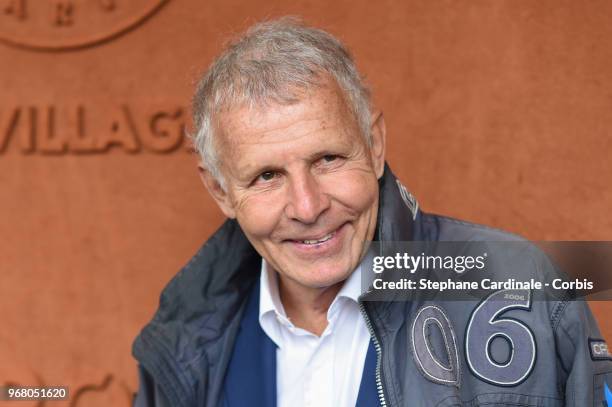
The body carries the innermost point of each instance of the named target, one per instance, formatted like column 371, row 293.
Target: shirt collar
column 352, row 286
column 269, row 297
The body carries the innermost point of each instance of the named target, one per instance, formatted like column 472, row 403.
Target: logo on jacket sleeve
column 599, row 350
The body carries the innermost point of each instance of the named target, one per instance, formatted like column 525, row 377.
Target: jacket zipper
column 379, row 384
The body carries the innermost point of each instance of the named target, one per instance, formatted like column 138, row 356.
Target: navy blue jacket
column 557, row 356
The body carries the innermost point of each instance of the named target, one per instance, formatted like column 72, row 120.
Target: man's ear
column 378, row 132
column 217, row 192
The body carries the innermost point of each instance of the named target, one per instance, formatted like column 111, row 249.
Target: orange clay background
column 498, row 112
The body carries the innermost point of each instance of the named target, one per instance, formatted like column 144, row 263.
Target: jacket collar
column 395, row 223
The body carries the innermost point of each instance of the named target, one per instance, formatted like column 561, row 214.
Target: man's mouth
column 313, row 246
column 318, row 241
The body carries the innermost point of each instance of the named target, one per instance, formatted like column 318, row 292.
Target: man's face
column 302, row 183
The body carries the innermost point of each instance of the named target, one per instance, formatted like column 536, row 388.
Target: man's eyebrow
column 340, row 147
column 322, row 153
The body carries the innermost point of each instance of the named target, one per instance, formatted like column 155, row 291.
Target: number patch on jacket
column 488, row 336
column 486, row 325
column 430, row 319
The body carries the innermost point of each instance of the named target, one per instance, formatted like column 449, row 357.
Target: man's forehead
column 315, row 110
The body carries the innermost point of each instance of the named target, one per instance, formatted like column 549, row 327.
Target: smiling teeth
column 323, row 239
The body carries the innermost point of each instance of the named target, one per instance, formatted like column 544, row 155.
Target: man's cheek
column 355, row 190
column 258, row 219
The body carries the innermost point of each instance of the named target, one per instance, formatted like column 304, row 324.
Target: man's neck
column 307, row 307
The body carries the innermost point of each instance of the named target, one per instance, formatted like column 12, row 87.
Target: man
column 271, row 310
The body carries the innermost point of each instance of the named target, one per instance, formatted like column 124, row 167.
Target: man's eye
column 267, row 176
column 329, row 158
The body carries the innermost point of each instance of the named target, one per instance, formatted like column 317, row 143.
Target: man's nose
column 306, row 201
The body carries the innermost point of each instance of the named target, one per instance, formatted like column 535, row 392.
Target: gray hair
column 272, row 62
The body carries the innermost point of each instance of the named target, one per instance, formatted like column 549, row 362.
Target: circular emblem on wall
column 61, row 25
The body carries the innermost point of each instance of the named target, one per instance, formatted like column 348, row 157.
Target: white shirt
column 316, row 371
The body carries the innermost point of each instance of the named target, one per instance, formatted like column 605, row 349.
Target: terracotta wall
column 497, row 111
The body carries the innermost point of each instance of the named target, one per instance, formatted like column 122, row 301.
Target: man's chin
column 323, row 278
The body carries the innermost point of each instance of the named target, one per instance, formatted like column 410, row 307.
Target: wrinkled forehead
column 238, row 91
column 308, row 110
